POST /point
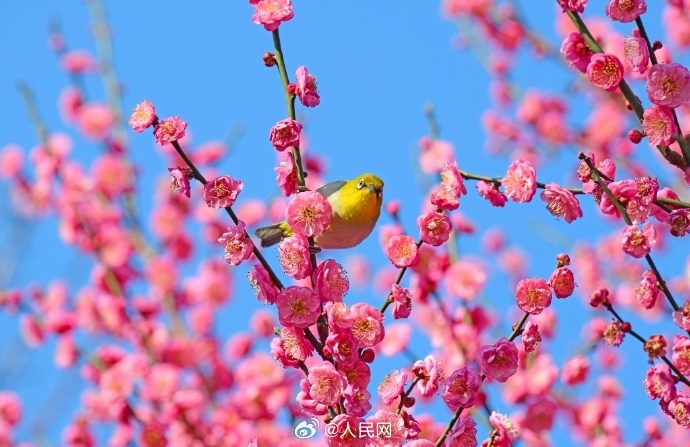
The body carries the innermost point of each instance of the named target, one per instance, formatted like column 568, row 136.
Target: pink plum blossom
column 429, row 372
column 648, row 290
column 668, row 85
column 179, row 180
column 392, row 386
column 575, row 370
column 507, row 432
column 402, row 251
column 143, row 116
column 384, row 438
column 561, row 203
column 464, row 433
column 308, row 404
column 491, row 193
column 573, row 5
column 636, row 54
column 638, row 242
column 367, row 325
column 681, row 353
column 499, row 361
column 330, row 281
column 305, row 88
column 308, row 213
column 342, row 346
column 294, row 256
column 271, row 13
column 605, row 71
column 678, row 222
column 236, row 244
column 221, row 192
column 530, row 336
column 466, row 279
column 659, row 383
column 659, row 125
column 614, row 334
column 266, row 291
column 344, row 431
column 533, row 295
column 520, row 182
column 435, row 228
column 285, row 133
column 95, row 120
column 298, row 307
column 625, row 10
column 402, row 302
column 169, row 130
column 576, row 52
column 562, row 281
column 287, row 176
column 326, row 383
column 460, row 389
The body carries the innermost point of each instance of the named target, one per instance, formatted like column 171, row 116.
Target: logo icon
column 306, row 430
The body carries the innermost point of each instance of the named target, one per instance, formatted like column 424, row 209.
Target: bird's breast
column 351, row 223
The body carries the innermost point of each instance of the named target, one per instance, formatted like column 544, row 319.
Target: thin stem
column 403, row 396
column 456, row 416
column 290, row 104
column 470, row 176
column 492, row 437
column 643, row 33
column 643, row 340
column 449, row 427
column 519, row 326
column 673, row 202
column 201, row 179
column 596, row 177
column 309, row 335
column 289, row 100
column 684, row 146
column 397, row 282
column 625, row 89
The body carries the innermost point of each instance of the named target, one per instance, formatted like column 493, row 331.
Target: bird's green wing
column 329, row 188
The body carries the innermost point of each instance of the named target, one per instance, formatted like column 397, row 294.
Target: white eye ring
column 360, row 185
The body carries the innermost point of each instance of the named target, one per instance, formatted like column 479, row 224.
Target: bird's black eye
column 379, row 193
column 360, row 185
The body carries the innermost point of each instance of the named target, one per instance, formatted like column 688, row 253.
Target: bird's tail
column 273, row 234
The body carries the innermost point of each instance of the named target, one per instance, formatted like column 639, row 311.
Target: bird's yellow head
column 364, row 196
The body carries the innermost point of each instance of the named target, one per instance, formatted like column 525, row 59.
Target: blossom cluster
column 141, row 328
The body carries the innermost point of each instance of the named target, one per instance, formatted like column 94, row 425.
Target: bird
column 356, row 206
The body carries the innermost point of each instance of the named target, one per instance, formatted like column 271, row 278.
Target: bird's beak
column 377, row 191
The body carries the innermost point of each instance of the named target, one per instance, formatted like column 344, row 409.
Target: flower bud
column 563, row 260
column 393, row 207
column 368, row 355
column 269, row 59
column 635, row 136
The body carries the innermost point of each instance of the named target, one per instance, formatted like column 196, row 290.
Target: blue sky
column 377, row 65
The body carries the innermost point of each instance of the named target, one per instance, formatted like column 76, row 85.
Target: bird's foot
column 313, row 249
column 302, row 189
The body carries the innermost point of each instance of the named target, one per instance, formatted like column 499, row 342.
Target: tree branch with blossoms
column 653, row 118
column 632, row 237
